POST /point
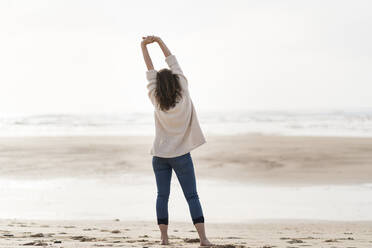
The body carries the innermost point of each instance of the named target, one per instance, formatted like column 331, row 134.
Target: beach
column 256, row 190
column 116, row 233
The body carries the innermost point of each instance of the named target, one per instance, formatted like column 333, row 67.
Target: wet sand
column 284, row 160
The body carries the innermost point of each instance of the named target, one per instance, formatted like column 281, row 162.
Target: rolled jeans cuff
column 163, row 221
column 198, row 220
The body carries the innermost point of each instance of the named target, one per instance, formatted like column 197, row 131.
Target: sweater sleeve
column 151, row 85
column 172, row 62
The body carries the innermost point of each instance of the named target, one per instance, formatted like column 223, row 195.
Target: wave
column 357, row 122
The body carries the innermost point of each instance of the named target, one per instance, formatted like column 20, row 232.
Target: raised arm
column 169, row 57
column 163, row 47
column 147, row 40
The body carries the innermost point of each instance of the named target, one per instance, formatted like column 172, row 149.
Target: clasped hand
column 149, row 39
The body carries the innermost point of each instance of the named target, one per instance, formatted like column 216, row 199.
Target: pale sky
column 84, row 56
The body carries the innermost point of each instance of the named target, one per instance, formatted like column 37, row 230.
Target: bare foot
column 164, row 241
column 205, row 242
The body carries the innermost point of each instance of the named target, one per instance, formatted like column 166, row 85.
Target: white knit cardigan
column 177, row 131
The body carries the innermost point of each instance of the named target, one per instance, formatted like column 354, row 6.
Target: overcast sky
column 85, row 56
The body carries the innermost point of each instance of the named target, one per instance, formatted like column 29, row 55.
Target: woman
column 177, row 133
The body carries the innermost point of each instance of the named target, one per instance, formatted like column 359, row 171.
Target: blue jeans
column 184, row 169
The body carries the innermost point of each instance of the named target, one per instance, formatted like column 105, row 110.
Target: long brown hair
column 168, row 89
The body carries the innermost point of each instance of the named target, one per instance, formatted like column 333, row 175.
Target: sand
column 284, row 160
column 259, row 159
column 116, row 233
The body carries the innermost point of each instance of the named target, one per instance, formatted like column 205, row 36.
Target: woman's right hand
column 147, row 40
column 157, row 38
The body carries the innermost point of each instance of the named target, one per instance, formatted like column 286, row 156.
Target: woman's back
column 177, row 129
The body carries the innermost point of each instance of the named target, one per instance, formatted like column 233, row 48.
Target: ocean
column 354, row 122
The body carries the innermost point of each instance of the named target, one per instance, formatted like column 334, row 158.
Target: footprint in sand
column 84, row 238
column 130, row 241
column 308, row 237
column 8, row 235
column 348, row 238
column 295, row 241
column 37, row 243
column 141, row 240
column 37, row 235
column 69, row 226
column 233, row 246
column 331, row 240
column 188, row 240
